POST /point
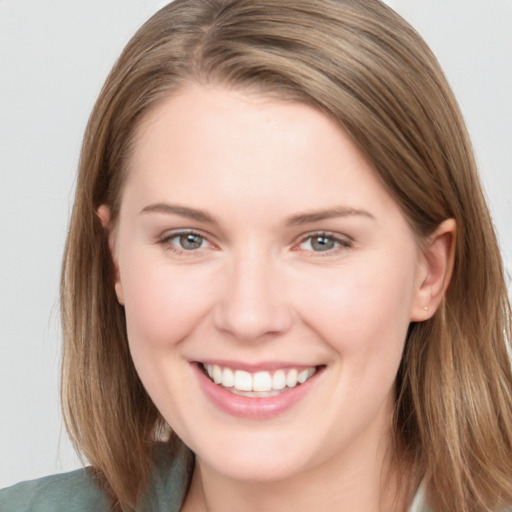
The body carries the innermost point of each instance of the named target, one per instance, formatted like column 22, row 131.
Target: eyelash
column 341, row 243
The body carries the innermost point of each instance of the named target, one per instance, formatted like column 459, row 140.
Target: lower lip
column 256, row 408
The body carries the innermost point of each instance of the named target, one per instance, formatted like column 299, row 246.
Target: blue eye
column 185, row 241
column 323, row 242
column 190, row 241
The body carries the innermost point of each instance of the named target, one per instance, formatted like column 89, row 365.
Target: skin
column 258, row 290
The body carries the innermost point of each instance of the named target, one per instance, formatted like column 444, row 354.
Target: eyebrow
column 295, row 220
column 182, row 211
column 329, row 213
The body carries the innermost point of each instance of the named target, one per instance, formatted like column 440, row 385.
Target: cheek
column 163, row 305
column 362, row 308
column 163, row 302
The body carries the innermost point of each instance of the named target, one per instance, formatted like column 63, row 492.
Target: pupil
column 190, row 241
column 322, row 243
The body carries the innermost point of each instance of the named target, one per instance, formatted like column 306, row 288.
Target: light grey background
column 54, row 56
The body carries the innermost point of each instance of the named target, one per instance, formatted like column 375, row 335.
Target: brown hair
column 361, row 64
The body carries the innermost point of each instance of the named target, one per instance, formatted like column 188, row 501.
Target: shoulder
column 75, row 491
column 78, row 491
column 173, row 465
column 419, row 504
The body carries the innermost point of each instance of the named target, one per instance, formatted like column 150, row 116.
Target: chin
column 273, row 468
column 256, row 458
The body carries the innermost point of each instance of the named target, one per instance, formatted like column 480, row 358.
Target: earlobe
column 436, row 270
column 104, row 216
column 119, row 291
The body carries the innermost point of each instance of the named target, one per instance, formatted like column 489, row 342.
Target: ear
column 104, row 216
column 434, row 271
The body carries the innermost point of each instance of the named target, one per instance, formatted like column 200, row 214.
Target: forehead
column 197, row 120
column 216, row 145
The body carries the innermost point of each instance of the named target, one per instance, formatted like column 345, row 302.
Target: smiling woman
column 273, row 303
column 281, row 287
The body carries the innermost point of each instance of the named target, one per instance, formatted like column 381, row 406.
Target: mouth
column 260, row 384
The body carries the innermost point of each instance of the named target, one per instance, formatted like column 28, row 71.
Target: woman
column 281, row 287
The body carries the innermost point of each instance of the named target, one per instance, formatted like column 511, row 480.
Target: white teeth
column 304, row 375
column 259, row 383
column 262, row 381
column 217, row 374
column 243, row 381
column 279, row 380
column 228, row 378
column 291, row 378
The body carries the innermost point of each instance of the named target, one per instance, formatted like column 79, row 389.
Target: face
column 268, row 280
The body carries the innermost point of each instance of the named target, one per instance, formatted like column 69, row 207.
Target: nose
column 253, row 304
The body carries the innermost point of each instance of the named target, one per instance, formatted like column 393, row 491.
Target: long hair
column 363, row 66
